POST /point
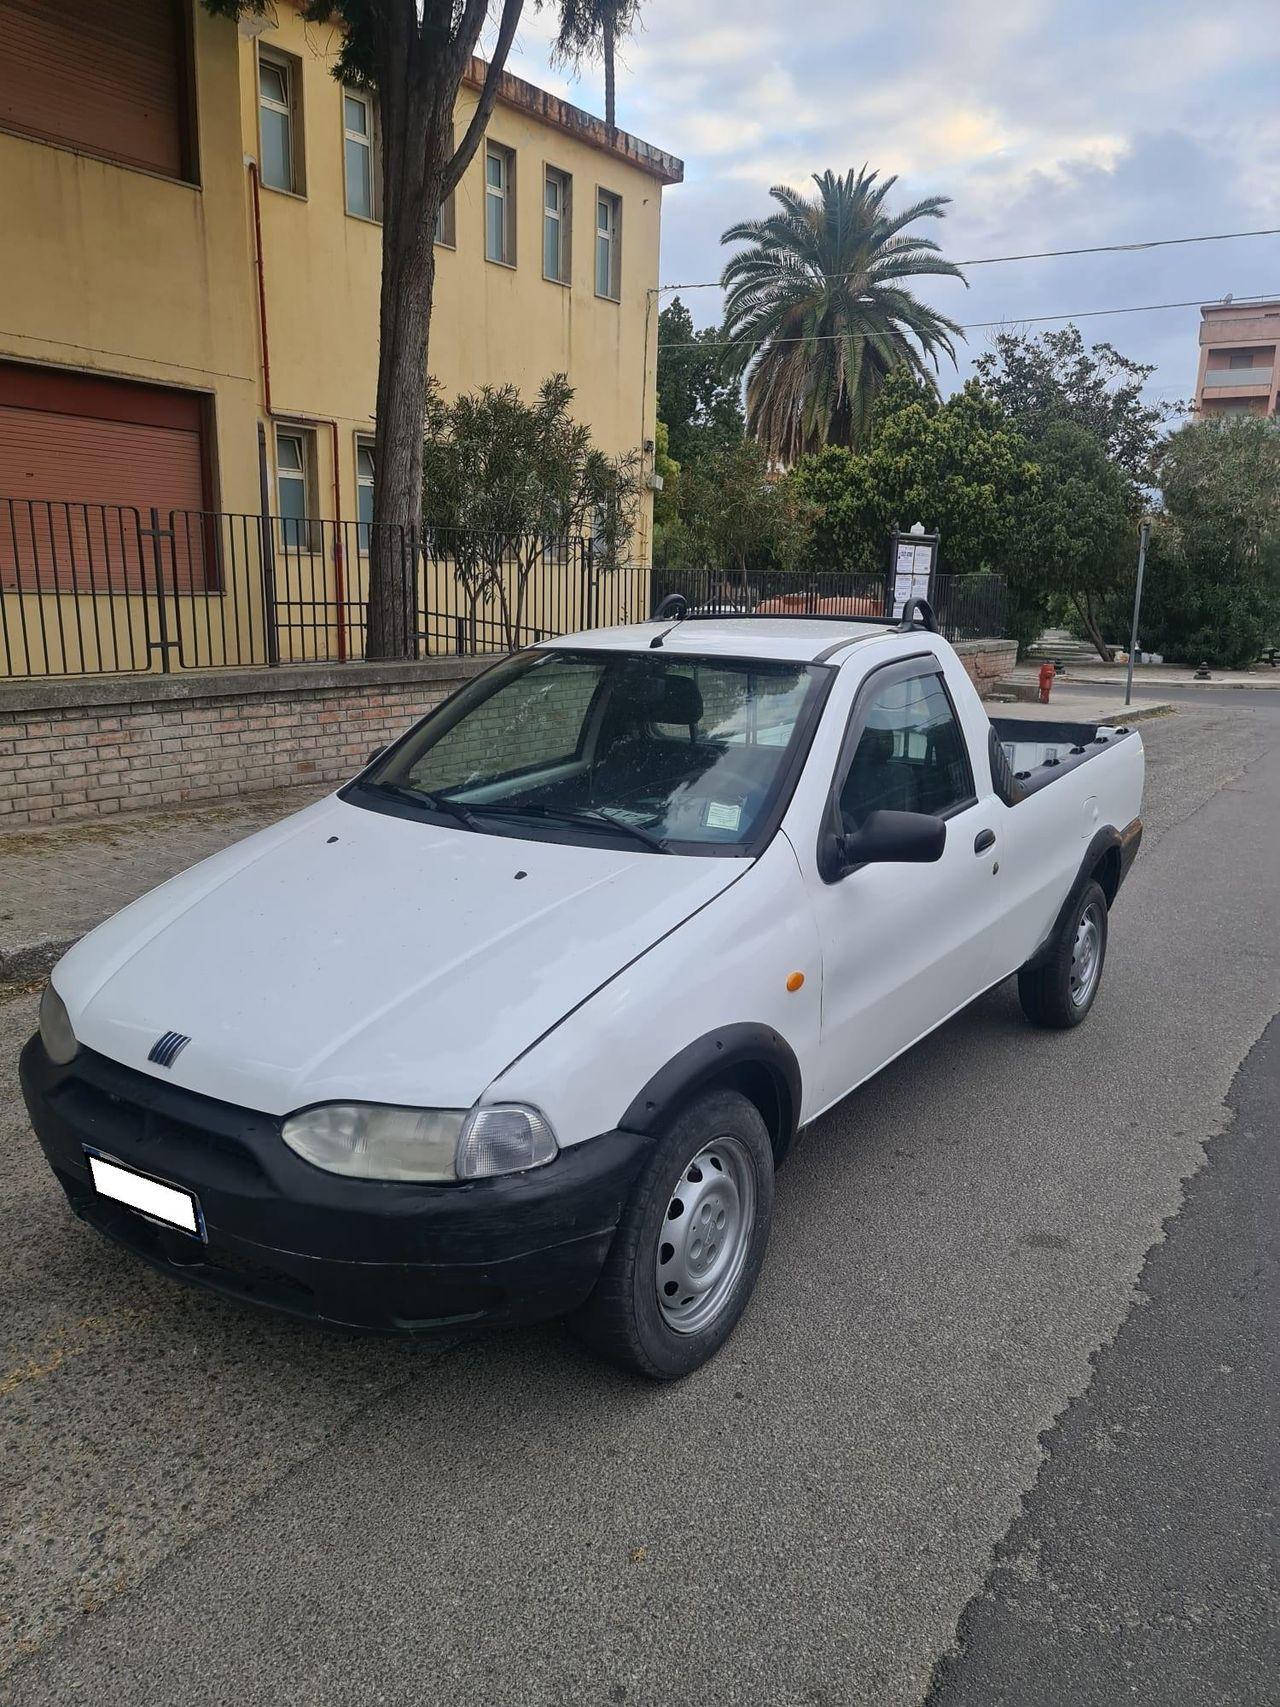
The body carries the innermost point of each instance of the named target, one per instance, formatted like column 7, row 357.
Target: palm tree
column 817, row 314
column 591, row 29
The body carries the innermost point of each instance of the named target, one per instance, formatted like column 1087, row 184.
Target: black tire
column 1049, row 994
column 624, row 1320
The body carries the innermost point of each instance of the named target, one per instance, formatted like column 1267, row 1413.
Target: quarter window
column 358, row 149
column 278, row 129
column 911, row 755
column 608, row 245
column 555, row 225
column 499, row 205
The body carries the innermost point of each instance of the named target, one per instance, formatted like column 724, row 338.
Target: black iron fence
column 104, row 588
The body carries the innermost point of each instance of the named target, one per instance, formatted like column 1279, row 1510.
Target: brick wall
column 81, row 749
column 988, row 662
column 87, row 748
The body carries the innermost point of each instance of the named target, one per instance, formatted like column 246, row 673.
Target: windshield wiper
column 441, row 802
column 586, row 816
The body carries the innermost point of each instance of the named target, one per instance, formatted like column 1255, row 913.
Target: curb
column 1143, row 713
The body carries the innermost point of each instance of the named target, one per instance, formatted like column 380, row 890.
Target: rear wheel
column 688, row 1249
column 1061, row 990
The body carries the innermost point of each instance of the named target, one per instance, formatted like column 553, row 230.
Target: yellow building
column 189, row 314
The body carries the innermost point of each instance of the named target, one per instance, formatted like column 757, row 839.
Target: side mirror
column 375, row 754
column 897, row 838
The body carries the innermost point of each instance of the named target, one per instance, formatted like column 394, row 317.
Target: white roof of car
column 797, row 638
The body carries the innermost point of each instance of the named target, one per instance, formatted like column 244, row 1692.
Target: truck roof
column 795, row 638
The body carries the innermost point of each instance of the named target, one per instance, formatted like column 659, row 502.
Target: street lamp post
column 1144, row 534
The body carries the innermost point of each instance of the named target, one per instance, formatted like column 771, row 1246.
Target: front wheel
column 690, row 1243
column 1060, row 991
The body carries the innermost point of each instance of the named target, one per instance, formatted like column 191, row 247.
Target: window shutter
column 109, row 78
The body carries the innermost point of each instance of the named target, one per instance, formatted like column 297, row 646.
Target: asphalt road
column 205, row 1504
column 1144, row 1565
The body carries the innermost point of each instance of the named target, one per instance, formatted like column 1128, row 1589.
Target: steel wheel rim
column 1086, row 955
column 705, row 1235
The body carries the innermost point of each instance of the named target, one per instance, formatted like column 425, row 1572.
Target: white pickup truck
column 522, row 1020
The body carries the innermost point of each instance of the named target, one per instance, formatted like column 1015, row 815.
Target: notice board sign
column 912, row 562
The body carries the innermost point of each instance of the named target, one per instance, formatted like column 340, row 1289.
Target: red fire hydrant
column 1047, row 673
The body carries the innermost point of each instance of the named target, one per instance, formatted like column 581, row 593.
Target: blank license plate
column 167, row 1203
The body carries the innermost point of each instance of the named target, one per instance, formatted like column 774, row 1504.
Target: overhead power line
column 971, row 326
column 1040, row 254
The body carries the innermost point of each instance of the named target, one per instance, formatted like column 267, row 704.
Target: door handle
column 983, row 840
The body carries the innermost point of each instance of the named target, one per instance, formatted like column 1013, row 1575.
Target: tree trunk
column 423, row 51
column 610, row 93
column 409, row 280
column 1085, row 607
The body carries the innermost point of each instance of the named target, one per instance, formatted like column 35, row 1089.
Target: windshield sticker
column 722, row 815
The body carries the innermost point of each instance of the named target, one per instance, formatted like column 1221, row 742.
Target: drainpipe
column 339, row 567
column 262, row 283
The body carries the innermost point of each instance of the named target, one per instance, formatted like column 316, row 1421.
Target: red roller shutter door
column 109, row 76
column 82, row 462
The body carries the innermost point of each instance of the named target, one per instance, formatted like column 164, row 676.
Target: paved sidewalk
column 1149, row 678
column 60, row 882
column 1103, row 707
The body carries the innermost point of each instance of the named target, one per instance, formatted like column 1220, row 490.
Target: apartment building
column 1238, row 372
column 189, row 290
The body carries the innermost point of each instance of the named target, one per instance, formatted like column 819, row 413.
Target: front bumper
column 370, row 1254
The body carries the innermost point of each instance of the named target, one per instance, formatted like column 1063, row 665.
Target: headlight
column 376, row 1141
column 55, row 1028
column 373, row 1141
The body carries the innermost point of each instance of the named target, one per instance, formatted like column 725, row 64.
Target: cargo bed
column 1038, row 752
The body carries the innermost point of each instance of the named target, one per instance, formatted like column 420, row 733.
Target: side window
column 911, row 755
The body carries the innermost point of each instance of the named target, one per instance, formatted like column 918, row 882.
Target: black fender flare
column 1103, row 842
column 714, row 1056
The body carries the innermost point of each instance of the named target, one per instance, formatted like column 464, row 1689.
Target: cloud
column 1050, row 123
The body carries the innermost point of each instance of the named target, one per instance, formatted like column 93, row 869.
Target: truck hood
column 345, row 953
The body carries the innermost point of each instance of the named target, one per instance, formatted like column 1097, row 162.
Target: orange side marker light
column 794, row 981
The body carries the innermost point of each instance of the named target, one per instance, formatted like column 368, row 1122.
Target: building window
column 499, row 205
column 295, row 469
column 556, row 202
column 364, row 492
column 608, row 245
column 360, row 154
column 446, row 230
column 279, row 122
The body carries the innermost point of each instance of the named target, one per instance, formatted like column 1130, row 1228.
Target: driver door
column 901, row 944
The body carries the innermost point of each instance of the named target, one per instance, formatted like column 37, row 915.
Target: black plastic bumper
column 356, row 1253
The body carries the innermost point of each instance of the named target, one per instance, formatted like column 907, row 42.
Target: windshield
column 684, row 755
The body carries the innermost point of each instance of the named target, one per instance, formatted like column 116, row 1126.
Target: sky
column 1051, row 124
